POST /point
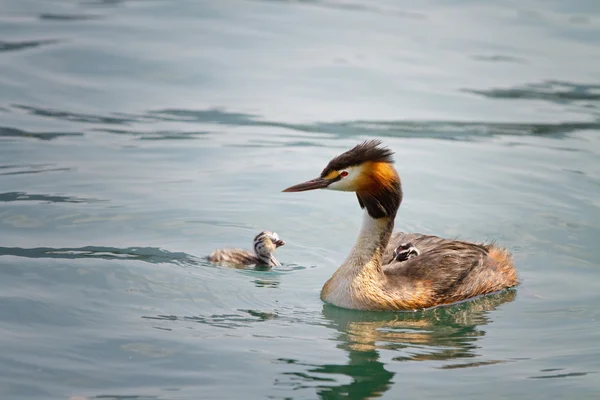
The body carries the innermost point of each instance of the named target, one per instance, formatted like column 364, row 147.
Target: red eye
column 343, row 174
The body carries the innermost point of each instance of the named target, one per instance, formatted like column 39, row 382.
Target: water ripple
column 31, row 169
column 6, row 131
column 499, row 58
column 446, row 130
column 565, row 375
column 550, row 90
column 151, row 255
column 67, row 17
column 406, row 128
column 23, row 196
column 74, row 117
column 228, row 321
column 23, row 45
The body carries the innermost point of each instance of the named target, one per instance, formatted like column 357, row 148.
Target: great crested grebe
column 265, row 243
column 442, row 272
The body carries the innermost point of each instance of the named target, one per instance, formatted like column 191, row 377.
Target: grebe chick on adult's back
column 265, row 244
column 405, row 251
column 444, row 272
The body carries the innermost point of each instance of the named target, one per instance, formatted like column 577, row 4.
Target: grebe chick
column 265, row 243
column 445, row 272
column 405, row 251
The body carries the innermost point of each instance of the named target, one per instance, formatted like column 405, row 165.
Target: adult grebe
column 265, row 243
column 438, row 271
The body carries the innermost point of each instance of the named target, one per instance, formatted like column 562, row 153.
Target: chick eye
column 344, row 173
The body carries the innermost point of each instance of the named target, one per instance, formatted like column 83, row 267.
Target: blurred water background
column 136, row 136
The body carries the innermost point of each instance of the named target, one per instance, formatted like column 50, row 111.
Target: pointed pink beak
column 319, row 183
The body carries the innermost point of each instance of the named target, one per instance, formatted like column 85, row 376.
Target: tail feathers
column 505, row 264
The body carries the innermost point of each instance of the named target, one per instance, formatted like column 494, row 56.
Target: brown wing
column 422, row 242
column 234, row 256
column 450, row 270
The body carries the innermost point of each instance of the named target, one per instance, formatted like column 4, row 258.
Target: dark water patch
column 22, row 196
column 473, row 364
column 228, row 321
column 456, row 130
column 222, row 117
column 173, row 136
column 450, row 130
column 556, row 376
column 446, row 130
column 550, row 90
column 240, row 318
column 17, row 166
column 499, row 58
column 6, row 131
column 67, row 17
column 157, row 135
column 151, row 255
column 261, row 315
column 37, row 171
column 579, row 20
column 266, row 143
column 74, row 117
column 23, row 45
column 30, row 169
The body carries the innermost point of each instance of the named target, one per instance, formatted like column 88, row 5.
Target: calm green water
column 138, row 136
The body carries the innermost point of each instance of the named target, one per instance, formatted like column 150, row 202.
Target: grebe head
column 266, row 243
column 406, row 251
column 366, row 169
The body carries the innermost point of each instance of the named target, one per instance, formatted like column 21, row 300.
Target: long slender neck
column 367, row 253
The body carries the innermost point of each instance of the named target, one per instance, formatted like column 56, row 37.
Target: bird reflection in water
column 441, row 334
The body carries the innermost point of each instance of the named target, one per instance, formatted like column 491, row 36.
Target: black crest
column 370, row 150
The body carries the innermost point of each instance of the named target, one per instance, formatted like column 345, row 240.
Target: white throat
column 273, row 261
column 269, row 259
column 369, row 241
column 363, row 264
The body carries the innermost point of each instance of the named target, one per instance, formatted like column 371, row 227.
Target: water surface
column 138, row 136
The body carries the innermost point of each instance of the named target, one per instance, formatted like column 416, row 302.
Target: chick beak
column 319, row 183
column 279, row 243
